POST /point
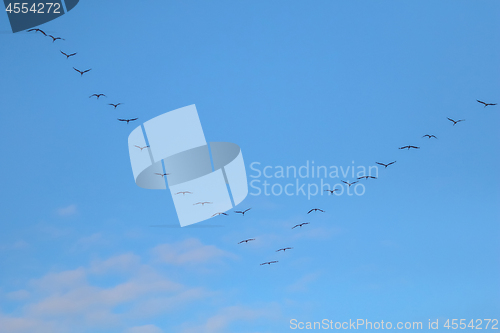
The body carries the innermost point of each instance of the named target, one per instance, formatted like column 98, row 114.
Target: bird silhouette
column 349, row 183
column 162, row 174
column 97, row 95
column 242, row 212
column 385, row 165
column 38, row 30
column 331, row 191
column 115, row 105
column 202, row 203
column 408, row 147
column 284, row 249
column 184, row 192
column 486, row 104
column 300, row 225
column 455, row 121
column 366, row 177
column 141, row 148
column 127, row 120
column 269, row 262
column 246, row 240
column 429, row 136
column 55, row 38
column 68, row 55
column 81, row 73
column 315, row 210
column 216, row 214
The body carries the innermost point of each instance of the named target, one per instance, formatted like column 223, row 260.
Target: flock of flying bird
column 242, row 212
column 295, row 226
column 68, row 55
column 385, row 165
column 252, row 239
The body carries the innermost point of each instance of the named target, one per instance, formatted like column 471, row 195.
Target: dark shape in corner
column 36, row 12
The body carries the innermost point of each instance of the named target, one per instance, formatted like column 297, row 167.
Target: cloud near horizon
column 58, row 302
column 67, row 211
column 189, row 251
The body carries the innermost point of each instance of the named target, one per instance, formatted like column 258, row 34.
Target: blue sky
column 290, row 82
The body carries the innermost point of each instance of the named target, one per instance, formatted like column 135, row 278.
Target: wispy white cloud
column 302, row 283
column 317, row 232
column 120, row 263
column 50, row 230
column 154, row 306
column 18, row 295
column 90, row 242
column 59, row 281
column 57, row 301
column 221, row 322
column 71, row 295
column 27, row 325
column 144, row 329
column 189, row 251
column 18, row 245
column 67, row 211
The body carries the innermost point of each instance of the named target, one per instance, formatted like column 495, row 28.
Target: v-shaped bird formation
column 243, row 212
column 349, row 184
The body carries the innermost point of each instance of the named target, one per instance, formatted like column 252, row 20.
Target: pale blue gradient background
column 288, row 81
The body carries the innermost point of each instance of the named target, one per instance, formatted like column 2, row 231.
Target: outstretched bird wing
column 38, row 30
